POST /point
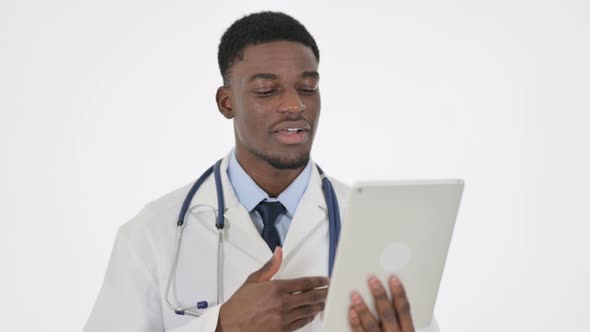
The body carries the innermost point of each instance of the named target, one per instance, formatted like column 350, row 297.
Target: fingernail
column 356, row 298
column 395, row 280
column 353, row 314
column 374, row 282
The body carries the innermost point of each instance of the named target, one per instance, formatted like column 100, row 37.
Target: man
column 269, row 64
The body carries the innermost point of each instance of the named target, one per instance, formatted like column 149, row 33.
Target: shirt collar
column 250, row 194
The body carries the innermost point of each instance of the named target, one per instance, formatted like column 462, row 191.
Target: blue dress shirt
column 250, row 194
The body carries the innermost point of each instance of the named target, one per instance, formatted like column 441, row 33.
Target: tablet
column 401, row 227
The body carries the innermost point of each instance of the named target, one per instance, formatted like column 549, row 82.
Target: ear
column 224, row 104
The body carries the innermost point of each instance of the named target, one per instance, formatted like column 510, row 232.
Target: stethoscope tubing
column 333, row 219
column 333, row 232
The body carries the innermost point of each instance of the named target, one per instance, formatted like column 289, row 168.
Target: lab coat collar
column 310, row 214
column 240, row 231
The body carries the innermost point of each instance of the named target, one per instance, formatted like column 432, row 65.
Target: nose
column 291, row 102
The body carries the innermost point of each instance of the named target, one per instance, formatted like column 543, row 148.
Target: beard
column 281, row 162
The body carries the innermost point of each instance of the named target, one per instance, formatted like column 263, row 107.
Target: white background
column 107, row 105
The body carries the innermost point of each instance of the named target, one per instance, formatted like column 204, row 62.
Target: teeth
column 293, row 130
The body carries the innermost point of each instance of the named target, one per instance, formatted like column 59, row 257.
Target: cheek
column 314, row 107
column 252, row 122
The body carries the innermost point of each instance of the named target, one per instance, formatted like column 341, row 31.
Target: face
column 274, row 99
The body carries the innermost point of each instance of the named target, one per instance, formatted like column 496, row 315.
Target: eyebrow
column 264, row 76
column 271, row 76
column 312, row 74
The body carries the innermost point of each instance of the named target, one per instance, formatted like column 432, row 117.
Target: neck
column 272, row 180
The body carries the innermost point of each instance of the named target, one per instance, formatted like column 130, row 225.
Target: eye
column 265, row 93
column 307, row 91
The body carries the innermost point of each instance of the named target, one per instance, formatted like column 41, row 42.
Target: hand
column 393, row 317
column 261, row 304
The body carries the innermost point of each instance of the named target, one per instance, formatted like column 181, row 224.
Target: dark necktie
column 270, row 211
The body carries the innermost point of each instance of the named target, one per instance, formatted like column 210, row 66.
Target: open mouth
column 290, row 131
column 292, row 135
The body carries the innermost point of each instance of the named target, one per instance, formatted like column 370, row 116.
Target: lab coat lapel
column 310, row 214
column 242, row 233
column 239, row 230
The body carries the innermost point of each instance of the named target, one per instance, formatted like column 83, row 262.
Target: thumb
column 269, row 269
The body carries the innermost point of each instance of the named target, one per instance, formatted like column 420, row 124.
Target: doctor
column 273, row 268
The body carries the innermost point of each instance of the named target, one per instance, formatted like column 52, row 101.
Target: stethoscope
column 198, row 310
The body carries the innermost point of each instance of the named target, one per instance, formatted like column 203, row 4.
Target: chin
column 285, row 160
column 279, row 163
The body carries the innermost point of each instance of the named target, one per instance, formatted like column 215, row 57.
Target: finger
column 313, row 296
column 303, row 312
column 368, row 321
column 269, row 269
column 296, row 325
column 401, row 304
column 303, row 284
column 384, row 306
column 354, row 321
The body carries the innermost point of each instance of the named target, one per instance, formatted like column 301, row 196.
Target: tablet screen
column 401, row 228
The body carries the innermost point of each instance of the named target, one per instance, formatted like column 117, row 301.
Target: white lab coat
column 132, row 297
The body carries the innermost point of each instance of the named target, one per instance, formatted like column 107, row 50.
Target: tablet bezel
column 419, row 203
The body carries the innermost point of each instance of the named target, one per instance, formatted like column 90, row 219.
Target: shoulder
column 157, row 217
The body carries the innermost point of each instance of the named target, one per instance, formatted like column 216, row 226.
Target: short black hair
column 259, row 28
